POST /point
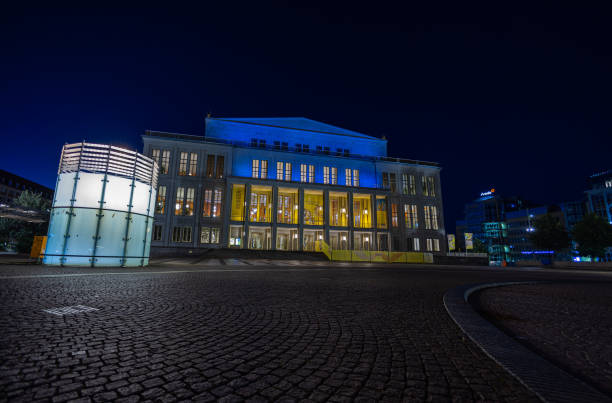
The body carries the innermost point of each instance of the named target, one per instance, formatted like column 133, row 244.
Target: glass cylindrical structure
column 103, row 207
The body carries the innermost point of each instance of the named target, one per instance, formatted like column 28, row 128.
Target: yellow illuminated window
column 288, row 205
column 237, row 203
column 410, row 216
column 381, row 212
column 160, row 207
column 313, row 207
column 216, row 211
column 180, row 195
column 362, row 211
column 394, row 221
column 193, row 164
column 207, row 208
column 189, row 201
column 261, row 204
column 338, row 209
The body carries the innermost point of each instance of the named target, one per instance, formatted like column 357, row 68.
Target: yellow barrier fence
column 374, row 256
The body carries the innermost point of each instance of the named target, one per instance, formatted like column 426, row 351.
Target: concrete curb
column 547, row 381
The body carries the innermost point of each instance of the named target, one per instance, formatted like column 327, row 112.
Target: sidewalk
column 568, row 324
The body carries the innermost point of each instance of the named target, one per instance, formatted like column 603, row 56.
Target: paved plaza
column 260, row 332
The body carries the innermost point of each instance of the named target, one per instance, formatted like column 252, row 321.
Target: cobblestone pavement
column 248, row 333
column 569, row 324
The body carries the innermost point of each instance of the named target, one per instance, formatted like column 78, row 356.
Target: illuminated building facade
column 287, row 183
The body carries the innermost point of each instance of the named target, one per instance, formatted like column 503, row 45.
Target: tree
column 479, row 247
column 593, row 235
column 19, row 233
column 549, row 234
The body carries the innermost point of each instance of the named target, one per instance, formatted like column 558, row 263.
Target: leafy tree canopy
column 593, row 235
column 550, row 234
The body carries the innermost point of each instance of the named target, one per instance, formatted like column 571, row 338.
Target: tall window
column 356, row 177
column 338, row 209
column 165, row 162
column 180, row 197
column 347, row 177
column 362, row 211
column 220, row 166
column 261, row 204
column 160, row 206
column 303, row 172
column 326, row 175
column 431, row 217
column 288, row 206
column 155, row 155
column 193, row 164
column 157, row 232
column 394, row 221
column 410, row 216
column 279, row 171
column 209, row 235
column 287, row 171
column 259, row 169
column 405, row 184
column 311, row 173
column 416, row 244
column 181, row 234
column 210, row 165
column 237, row 213
column 381, row 212
column 385, row 176
column 428, row 185
column 183, row 163
column 334, row 175
column 412, row 185
column 207, row 209
column 313, row 207
column 216, row 210
column 393, row 182
column 189, row 201
column 255, row 169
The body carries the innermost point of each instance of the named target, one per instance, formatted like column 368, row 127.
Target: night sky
column 508, row 97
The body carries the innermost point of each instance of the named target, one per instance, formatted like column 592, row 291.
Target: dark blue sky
column 508, row 97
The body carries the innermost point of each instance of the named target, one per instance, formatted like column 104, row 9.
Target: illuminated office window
column 288, row 206
column 412, row 185
column 326, row 175
column 279, row 171
column 338, row 209
column 264, row 169
column 207, row 203
column 417, row 244
column 334, row 175
column 216, row 210
column 180, row 196
column 311, row 173
column 183, row 164
column 410, row 216
column 287, row 171
column 381, row 212
column 356, row 177
column 347, row 177
column 436, row 245
column 429, row 244
column 313, row 207
column 189, row 195
column 237, row 213
column 210, row 165
column 160, row 206
column 193, row 164
column 260, row 209
column 255, row 169
column 362, row 211
column 165, row 162
column 394, row 221
column 303, row 172
column 220, row 166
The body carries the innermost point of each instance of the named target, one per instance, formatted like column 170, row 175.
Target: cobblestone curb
column 547, row 381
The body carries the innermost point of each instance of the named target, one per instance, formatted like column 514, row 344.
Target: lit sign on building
column 487, row 193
